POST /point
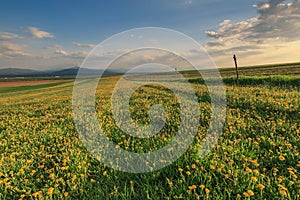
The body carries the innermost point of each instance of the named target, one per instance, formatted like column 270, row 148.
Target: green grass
column 30, row 87
column 257, row 156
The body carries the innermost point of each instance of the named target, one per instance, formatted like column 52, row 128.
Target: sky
column 49, row 35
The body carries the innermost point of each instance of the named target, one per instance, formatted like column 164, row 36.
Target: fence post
column 236, row 68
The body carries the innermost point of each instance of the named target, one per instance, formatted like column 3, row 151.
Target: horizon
column 42, row 36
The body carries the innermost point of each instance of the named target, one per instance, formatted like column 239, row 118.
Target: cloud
column 187, row 2
column 212, row 34
column 73, row 55
column 37, row 33
column 278, row 23
column 61, row 52
column 9, row 49
column 8, row 36
column 84, row 45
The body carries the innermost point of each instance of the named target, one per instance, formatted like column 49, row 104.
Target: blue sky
column 50, row 34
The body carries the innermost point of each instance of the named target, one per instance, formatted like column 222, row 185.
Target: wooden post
column 236, row 69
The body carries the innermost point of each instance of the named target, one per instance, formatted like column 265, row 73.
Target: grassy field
column 257, row 156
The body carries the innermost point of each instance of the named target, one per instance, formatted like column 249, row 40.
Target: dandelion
column 254, row 179
column 207, row 190
column 250, row 192
column 282, row 192
column 202, row 186
column 52, row 176
column 261, row 186
column 282, row 158
column 290, row 169
column 282, row 187
column 193, row 187
column 50, row 191
column 74, row 177
column 280, row 178
column 246, row 194
column 275, row 170
column 170, row 182
column 33, row 172
column 92, row 180
column 248, row 170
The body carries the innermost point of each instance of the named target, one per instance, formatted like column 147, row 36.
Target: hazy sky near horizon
column 48, row 35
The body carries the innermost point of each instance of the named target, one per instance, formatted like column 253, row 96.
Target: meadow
column 256, row 157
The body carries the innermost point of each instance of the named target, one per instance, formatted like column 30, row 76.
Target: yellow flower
column 253, row 178
column 50, row 191
column 282, row 187
column 170, row 182
column 246, row 194
column 104, row 173
column 180, row 169
column 275, row 170
column 194, row 166
column 283, row 192
column 33, row 172
column 261, row 186
column 193, row 187
column 21, row 171
column 202, row 186
column 282, row 158
column 188, row 173
column 280, row 178
column 66, row 194
column 52, row 175
column 248, row 170
column 250, row 192
column 92, row 180
column 64, row 168
column 207, row 190
column 74, row 177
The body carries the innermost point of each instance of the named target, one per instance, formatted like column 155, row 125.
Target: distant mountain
column 66, row 72
column 17, row 72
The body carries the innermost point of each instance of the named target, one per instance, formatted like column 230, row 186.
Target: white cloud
column 73, row 55
column 278, row 23
column 61, row 52
column 8, row 36
column 262, row 6
column 84, row 45
column 9, row 49
column 37, row 33
column 212, row 34
column 187, row 2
